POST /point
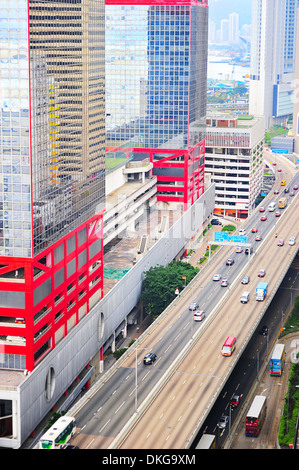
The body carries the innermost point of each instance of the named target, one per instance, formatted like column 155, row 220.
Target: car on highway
column 239, row 249
column 258, row 238
column 263, row 218
column 292, row 193
column 286, row 190
column 235, row 400
column 248, row 250
column 224, row 282
column 193, row 306
column 222, row 423
column 216, row 277
column 292, row 241
column 149, row 358
column 295, row 187
column 245, row 280
column 280, row 243
column 262, row 209
column 254, row 230
column 261, row 273
column 279, row 170
column 264, row 330
column 277, row 214
column 276, row 191
column 242, row 231
column 199, row 315
column 229, row 262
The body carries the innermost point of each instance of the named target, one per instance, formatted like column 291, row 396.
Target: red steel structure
column 164, row 121
column 34, row 329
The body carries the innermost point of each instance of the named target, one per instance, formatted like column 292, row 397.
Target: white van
column 272, row 207
column 244, row 297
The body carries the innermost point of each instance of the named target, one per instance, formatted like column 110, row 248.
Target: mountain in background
column 220, row 10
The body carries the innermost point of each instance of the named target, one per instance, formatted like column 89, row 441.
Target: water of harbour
column 220, row 69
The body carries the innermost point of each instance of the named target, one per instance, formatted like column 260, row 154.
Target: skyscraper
column 52, row 172
column 156, row 65
column 272, row 59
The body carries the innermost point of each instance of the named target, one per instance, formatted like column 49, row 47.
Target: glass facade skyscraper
column 52, row 163
column 156, row 65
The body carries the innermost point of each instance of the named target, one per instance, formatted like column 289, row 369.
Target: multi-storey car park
column 234, row 162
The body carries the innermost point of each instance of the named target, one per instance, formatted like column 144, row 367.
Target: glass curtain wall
column 155, row 75
column 52, row 120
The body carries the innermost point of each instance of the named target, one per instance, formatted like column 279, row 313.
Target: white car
column 242, row 232
column 239, row 249
column 216, row 277
column 199, row 315
column 292, row 241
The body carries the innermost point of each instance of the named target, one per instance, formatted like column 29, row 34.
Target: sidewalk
column 200, row 248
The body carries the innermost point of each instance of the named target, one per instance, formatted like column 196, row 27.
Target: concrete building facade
column 234, row 162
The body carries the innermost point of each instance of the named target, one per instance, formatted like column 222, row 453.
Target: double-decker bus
column 207, row 441
column 256, row 416
column 277, row 360
column 282, row 203
column 59, row 433
column 228, row 346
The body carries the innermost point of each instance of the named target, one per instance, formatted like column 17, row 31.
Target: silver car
column 292, row 241
column 222, row 422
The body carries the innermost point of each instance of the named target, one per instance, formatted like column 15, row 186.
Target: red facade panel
column 29, row 328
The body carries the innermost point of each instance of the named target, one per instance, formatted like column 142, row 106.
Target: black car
column 264, row 330
column 216, row 222
column 149, row 358
column 286, row 190
column 229, row 261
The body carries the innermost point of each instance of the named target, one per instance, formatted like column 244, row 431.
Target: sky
column 220, row 9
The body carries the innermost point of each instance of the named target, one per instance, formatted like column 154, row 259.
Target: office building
column 234, row 162
column 156, row 75
column 52, row 172
column 296, row 93
column 272, row 59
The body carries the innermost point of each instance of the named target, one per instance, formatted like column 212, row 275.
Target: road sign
column 225, row 237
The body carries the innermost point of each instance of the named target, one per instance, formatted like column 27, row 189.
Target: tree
column 160, row 283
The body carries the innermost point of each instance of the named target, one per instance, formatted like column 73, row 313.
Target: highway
column 183, row 401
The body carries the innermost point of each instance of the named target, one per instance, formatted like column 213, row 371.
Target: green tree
column 160, row 283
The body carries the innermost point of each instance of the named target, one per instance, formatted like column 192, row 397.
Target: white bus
column 272, row 207
column 58, row 434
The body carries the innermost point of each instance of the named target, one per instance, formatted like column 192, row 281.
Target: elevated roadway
column 173, row 396
column 171, row 419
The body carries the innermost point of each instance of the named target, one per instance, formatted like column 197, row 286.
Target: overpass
column 163, row 404
column 176, row 408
